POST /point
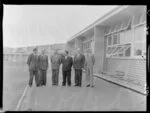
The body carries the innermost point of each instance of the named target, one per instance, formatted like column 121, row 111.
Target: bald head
column 55, row 51
column 78, row 50
column 43, row 51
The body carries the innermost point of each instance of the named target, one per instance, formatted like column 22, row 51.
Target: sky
column 30, row 25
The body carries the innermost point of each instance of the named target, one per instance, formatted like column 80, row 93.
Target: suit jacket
column 89, row 61
column 43, row 62
column 78, row 62
column 33, row 62
column 66, row 63
column 55, row 61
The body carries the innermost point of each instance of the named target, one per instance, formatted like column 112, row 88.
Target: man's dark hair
column 35, row 49
column 66, row 51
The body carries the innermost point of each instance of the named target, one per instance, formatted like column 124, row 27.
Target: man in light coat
column 55, row 64
column 89, row 63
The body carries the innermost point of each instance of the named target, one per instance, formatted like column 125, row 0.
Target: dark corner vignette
column 1, row 52
column 148, row 53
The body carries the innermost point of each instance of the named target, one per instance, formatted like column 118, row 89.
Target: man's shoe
column 75, row 85
column 92, row 86
column 37, row 85
column 30, row 85
column 53, row 84
column 88, row 85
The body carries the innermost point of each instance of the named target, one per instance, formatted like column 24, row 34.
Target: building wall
column 134, row 69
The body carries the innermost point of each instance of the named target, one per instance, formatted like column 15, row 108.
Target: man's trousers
column 55, row 75
column 78, row 77
column 32, row 74
column 89, row 76
column 43, row 76
column 66, row 77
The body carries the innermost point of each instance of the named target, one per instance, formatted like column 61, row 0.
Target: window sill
column 133, row 58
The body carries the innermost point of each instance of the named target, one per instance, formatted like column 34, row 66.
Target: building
column 118, row 42
column 21, row 54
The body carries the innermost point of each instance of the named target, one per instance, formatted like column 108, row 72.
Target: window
column 112, row 29
column 140, row 41
column 138, row 49
column 144, row 17
column 107, row 30
column 108, row 49
column 122, row 37
column 115, row 40
column 118, row 27
column 128, row 36
column 128, row 52
column 125, row 24
column 112, row 49
column 119, row 47
column 109, row 40
column 137, row 19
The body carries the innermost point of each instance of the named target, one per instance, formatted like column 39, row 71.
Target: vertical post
column 99, row 49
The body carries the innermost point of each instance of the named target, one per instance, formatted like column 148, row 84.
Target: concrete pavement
column 104, row 96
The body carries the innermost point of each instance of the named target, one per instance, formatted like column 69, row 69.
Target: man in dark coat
column 43, row 66
column 78, row 65
column 33, row 67
column 66, row 69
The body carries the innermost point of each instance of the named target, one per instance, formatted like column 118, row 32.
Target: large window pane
column 107, row 30
column 122, row 37
column 128, row 36
column 109, row 40
column 138, row 49
column 139, row 34
column 115, row 39
column 108, row 49
column 118, row 27
column 118, row 35
column 137, row 19
column 128, row 52
column 125, row 24
column 119, row 47
column 144, row 17
column 112, row 29
column 113, row 48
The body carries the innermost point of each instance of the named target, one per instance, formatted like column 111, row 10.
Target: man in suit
column 78, row 65
column 43, row 66
column 88, row 66
column 66, row 69
column 55, row 64
column 33, row 67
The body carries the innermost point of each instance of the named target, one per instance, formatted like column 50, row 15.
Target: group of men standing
column 38, row 65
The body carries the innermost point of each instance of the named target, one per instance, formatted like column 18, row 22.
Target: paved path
column 104, row 96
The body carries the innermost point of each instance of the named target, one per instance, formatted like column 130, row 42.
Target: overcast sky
column 29, row 25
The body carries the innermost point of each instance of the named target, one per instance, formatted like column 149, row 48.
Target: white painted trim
column 132, row 58
column 22, row 97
